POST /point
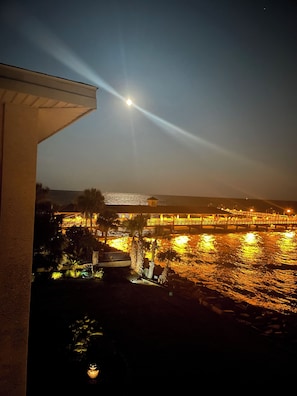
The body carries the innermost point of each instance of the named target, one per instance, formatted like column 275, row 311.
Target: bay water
column 259, row 268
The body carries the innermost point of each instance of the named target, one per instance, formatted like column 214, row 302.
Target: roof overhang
column 59, row 102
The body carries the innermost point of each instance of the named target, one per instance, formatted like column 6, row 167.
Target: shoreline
column 280, row 327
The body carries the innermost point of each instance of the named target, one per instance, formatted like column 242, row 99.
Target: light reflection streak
column 206, row 250
column 250, row 250
column 180, row 243
column 38, row 34
column 287, row 243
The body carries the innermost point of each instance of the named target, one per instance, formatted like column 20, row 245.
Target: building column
column 18, row 155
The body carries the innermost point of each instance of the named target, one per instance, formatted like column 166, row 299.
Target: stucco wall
column 18, row 184
column 33, row 107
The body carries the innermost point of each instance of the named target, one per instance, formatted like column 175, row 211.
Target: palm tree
column 159, row 232
column 136, row 226
column 133, row 253
column 90, row 202
column 168, row 256
column 106, row 220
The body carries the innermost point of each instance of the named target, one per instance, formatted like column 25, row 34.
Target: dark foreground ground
column 153, row 341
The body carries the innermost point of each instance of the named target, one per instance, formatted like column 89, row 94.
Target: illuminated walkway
column 234, row 220
column 227, row 222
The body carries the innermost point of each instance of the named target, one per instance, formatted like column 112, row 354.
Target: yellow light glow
column 56, row 275
column 181, row 240
column 129, row 102
column 250, row 238
column 180, row 243
column 206, row 243
column 121, row 243
column 93, row 371
column 289, row 234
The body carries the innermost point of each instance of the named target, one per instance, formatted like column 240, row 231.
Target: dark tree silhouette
column 48, row 241
column 168, row 256
column 89, row 203
column 81, row 244
column 106, row 221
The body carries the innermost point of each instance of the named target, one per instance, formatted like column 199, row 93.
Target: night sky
column 213, row 84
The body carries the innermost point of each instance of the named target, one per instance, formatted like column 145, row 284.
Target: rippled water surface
column 257, row 267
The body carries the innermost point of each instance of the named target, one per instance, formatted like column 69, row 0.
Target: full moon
column 129, row 102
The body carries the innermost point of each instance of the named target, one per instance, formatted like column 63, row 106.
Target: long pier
column 226, row 223
column 232, row 221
